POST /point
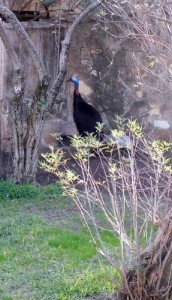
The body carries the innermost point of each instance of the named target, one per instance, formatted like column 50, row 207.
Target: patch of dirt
column 45, row 178
column 42, row 177
column 98, row 170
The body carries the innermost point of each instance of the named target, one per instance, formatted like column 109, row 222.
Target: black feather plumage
column 85, row 116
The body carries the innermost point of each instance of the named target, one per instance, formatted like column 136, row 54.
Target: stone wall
column 109, row 79
column 121, row 80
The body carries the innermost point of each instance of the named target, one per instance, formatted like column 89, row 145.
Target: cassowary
column 85, row 116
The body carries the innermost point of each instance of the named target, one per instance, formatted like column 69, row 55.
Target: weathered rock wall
column 110, row 80
column 122, row 79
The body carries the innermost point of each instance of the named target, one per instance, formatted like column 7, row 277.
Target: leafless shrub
column 131, row 191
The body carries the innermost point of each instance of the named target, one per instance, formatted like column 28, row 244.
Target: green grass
column 41, row 255
column 11, row 191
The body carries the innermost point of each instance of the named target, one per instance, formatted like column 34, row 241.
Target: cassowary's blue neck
column 75, row 81
column 76, row 85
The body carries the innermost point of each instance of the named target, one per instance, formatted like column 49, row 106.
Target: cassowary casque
column 86, row 117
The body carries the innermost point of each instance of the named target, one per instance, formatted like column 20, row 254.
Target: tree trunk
column 26, row 154
column 28, row 116
column 152, row 277
column 27, row 124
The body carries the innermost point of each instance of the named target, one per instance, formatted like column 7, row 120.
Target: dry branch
column 65, row 49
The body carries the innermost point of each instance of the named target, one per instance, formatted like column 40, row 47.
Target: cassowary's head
column 75, row 81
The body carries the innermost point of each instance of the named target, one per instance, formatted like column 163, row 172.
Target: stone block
column 154, row 111
column 162, row 124
column 52, row 127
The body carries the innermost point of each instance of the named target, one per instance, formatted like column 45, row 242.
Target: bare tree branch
column 65, row 49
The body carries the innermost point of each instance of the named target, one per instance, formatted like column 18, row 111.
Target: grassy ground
column 45, row 251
